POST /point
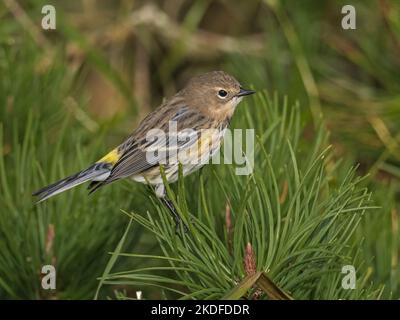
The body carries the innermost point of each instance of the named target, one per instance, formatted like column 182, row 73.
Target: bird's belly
column 154, row 177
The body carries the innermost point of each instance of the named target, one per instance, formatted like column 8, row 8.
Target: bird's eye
column 222, row 94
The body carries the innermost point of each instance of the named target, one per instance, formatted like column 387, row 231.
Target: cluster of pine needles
column 323, row 193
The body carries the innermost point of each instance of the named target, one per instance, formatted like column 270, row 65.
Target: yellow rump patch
column 111, row 157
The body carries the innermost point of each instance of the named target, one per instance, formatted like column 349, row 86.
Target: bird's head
column 215, row 93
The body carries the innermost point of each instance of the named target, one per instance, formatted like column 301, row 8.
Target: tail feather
column 95, row 172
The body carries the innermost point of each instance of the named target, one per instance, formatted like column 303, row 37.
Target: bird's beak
column 245, row 92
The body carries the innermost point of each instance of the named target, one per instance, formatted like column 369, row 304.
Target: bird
column 198, row 114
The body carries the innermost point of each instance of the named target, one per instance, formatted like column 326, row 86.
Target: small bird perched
column 201, row 112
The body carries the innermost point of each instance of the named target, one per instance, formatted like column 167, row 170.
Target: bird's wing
column 151, row 145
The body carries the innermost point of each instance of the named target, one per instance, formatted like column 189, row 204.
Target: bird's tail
column 96, row 172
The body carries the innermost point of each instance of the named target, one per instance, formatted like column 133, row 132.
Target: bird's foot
column 178, row 224
column 178, row 220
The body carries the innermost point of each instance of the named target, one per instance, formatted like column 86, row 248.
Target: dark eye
column 222, row 93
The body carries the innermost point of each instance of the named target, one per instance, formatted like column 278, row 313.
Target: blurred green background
column 69, row 95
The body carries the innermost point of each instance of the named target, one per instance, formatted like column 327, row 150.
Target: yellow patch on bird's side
column 209, row 141
column 111, row 157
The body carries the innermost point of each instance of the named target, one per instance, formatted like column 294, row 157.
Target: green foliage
column 38, row 145
column 304, row 213
column 301, row 237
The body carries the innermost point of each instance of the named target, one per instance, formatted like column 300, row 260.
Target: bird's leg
column 160, row 193
column 178, row 220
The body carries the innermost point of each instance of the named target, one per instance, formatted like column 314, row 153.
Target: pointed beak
column 245, row 92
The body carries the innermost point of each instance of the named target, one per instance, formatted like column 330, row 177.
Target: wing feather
column 134, row 152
